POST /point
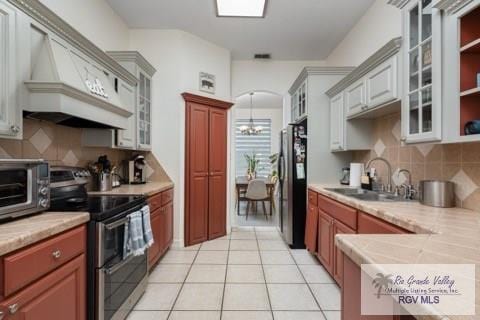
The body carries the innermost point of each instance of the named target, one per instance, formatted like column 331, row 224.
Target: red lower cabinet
column 325, row 240
column 311, row 228
column 60, row 295
column 161, row 217
column 339, row 228
column 368, row 224
column 47, row 280
column 351, row 295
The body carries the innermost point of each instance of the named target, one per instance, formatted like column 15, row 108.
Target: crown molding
column 318, row 71
column 451, row 6
column 190, row 97
column 135, row 57
column 42, row 14
column 387, row 51
column 398, row 3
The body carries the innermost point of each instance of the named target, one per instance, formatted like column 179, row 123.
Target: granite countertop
column 23, row 232
column 443, row 236
column 147, row 189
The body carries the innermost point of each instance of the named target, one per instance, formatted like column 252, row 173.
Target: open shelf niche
column 469, row 68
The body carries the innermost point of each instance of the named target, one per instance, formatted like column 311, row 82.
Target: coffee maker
column 136, row 170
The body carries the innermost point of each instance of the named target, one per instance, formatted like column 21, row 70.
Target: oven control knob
column 43, row 203
column 43, row 191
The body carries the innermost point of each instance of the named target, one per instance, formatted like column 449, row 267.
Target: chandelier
column 251, row 129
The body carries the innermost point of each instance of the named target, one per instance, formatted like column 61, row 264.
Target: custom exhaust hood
column 69, row 88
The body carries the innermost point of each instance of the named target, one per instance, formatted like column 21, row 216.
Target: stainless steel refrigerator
column 292, row 195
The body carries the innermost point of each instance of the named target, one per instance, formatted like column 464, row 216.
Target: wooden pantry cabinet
column 205, row 168
column 161, row 216
column 55, row 288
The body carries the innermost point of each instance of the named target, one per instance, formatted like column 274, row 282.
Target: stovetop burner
column 69, row 193
column 99, row 207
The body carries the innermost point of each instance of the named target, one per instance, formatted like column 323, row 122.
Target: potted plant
column 274, row 165
column 252, row 164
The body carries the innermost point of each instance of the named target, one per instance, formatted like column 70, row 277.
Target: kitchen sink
column 368, row 195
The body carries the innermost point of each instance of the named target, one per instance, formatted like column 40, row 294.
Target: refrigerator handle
column 281, row 167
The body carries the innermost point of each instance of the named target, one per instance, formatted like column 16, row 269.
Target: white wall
column 380, row 24
column 95, row 19
column 178, row 58
column 271, row 76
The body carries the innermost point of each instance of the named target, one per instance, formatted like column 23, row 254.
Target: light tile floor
column 248, row 275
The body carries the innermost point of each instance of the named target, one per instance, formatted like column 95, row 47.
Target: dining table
column 241, row 184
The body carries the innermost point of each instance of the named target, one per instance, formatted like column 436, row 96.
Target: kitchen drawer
column 368, row 224
column 338, row 211
column 27, row 265
column 312, row 198
column 155, row 202
column 167, row 196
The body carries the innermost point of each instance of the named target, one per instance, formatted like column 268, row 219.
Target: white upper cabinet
column 144, row 112
column 371, row 89
column 127, row 138
column 461, row 83
column 337, row 123
column 382, row 84
column 10, row 113
column 356, row 101
column 299, row 102
column 422, row 100
column 139, row 134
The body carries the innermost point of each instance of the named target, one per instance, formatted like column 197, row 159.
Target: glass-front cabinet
column 299, row 102
column 134, row 62
column 144, row 112
column 422, row 103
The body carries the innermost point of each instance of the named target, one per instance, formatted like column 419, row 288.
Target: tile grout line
column 308, row 284
column 225, row 278
column 183, row 283
column 264, row 275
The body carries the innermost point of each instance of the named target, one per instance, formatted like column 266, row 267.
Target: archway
column 266, row 112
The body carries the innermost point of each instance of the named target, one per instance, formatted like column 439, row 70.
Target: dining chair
column 257, row 192
column 241, row 191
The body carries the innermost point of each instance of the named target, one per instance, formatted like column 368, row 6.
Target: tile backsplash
column 459, row 163
column 61, row 145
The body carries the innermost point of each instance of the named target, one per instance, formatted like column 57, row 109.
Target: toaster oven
column 24, row 187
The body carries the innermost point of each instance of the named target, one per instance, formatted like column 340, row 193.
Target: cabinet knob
column 57, row 254
column 15, row 129
column 13, row 308
column 403, row 139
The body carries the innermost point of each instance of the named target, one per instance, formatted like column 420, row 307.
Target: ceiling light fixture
column 241, row 8
column 251, row 129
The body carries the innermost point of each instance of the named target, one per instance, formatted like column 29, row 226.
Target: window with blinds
column 260, row 145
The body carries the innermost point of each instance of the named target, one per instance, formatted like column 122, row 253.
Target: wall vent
column 262, row 56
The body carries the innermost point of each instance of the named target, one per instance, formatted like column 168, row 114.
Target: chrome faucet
column 409, row 189
column 389, row 186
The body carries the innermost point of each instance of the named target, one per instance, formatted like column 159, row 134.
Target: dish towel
column 126, row 240
column 138, row 233
column 147, row 228
column 137, row 244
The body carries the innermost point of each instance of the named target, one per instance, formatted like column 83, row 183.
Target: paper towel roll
column 356, row 171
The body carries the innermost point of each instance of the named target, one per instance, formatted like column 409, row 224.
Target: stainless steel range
column 115, row 281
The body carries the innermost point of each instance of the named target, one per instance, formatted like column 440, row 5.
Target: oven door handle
column 117, row 223
column 119, row 265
